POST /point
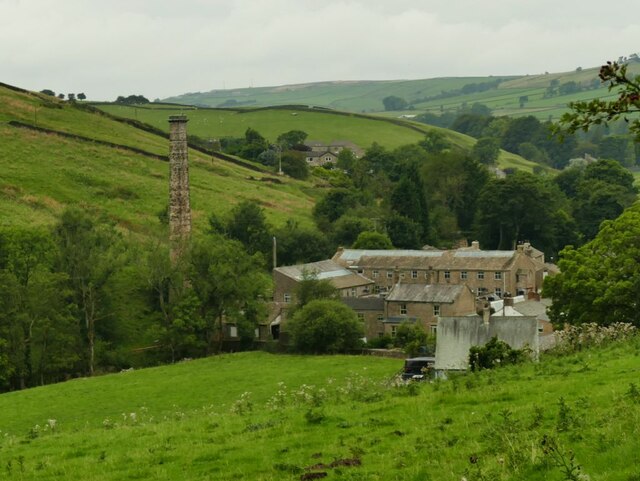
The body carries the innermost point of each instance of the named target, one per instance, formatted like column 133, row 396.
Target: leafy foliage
column 310, row 288
column 493, row 354
column 597, row 111
column 325, row 326
column 600, row 281
column 372, row 240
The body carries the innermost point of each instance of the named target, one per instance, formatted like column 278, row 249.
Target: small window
column 287, row 297
column 393, row 331
column 434, row 329
column 376, row 289
column 480, row 275
column 414, row 274
column 360, row 316
column 498, row 292
column 389, row 275
column 380, row 317
column 447, row 274
column 540, row 328
column 436, row 309
column 360, row 271
column 354, row 292
column 463, row 275
column 374, row 274
column 497, row 275
column 403, row 308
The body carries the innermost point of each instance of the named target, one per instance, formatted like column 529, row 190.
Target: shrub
column 494, row 353
column 325, row 326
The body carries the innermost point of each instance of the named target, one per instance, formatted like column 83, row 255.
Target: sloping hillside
column 320, row 124
column 255, row 416
column 55, row 154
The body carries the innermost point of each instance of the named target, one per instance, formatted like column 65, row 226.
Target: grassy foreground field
column 258, row 416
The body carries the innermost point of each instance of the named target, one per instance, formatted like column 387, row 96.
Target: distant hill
column 505, row 95
column 321, row 124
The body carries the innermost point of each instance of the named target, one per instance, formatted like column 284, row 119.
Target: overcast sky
column 161, row 48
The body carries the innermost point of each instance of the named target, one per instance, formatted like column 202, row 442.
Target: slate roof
column 433, row 293
column 364, row 303
column 340, row 277
column 534, row 308
column 318, row 153
column 458, row 259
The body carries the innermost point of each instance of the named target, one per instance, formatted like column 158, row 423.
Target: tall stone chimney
column 179, row 205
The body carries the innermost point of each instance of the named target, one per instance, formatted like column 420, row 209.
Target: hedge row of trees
column 535, row 140
column 286, row 153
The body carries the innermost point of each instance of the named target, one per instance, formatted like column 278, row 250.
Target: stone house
column 425, row 303
column 317, row 159
column 349, row 283
column 370, row 311
column 492, row 272
column 287, row 278
column 334, row 147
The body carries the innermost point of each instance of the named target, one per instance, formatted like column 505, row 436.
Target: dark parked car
column 417, row 367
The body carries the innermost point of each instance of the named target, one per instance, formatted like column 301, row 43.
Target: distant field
column 366, row 96
column 256, row 416
column 357, row 96
column 320, row 125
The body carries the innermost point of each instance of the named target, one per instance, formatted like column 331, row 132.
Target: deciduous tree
column 325, row 326
column 600, row 281
column 584, row 114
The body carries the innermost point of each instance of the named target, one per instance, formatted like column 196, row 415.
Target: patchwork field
column 366, row 96
column 258, row 416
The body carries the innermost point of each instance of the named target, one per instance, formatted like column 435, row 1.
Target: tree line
column 82, row 297
column 535, row 140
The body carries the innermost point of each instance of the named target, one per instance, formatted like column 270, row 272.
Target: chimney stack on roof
column 486, row 313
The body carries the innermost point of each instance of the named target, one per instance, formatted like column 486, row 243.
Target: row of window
column 394, row 330
column 436, row 309
column 447, row 274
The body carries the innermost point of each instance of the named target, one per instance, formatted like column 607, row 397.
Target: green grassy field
column 42, row 173
column 258, row 416
column 320, row 125
column 366, row 96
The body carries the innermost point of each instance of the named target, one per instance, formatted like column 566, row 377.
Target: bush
column 494, row 353
column 325, row 326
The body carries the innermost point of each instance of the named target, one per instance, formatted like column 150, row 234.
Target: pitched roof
column 364, row 303
column 457, row 259
column 435, row 293
column 340, row 277
column 318, row 153
column 387, row 258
